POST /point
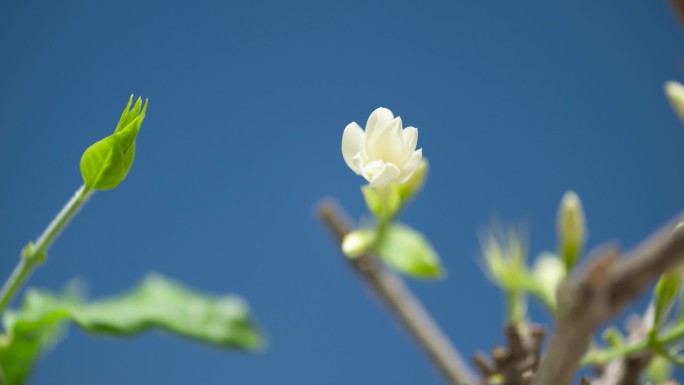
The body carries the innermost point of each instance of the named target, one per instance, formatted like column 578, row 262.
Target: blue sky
column 515, row 104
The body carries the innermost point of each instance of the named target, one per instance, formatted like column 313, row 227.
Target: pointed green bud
column 675, row 94
column 106, row 163
column 357, row 243
column 571, row 228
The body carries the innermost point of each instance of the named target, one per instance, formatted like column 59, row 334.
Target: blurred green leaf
column 659, row 370
column 20, row 349
column 106, row 163
column 505, row 256
column 156, row 303
column 407, row 251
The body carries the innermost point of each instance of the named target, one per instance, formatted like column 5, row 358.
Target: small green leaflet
column 106, row 163
column 157, row 303
column 407, row 251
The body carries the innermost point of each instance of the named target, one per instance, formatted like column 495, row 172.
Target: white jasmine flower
column 385, row 153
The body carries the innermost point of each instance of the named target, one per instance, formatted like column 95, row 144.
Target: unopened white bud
column 571, row 228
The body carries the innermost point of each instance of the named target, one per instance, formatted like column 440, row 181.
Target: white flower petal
column 357, row 165
column 408, row 168
column 388, row 144
column 382, row 173
column 378, row 119
column 410, row 138
column 353, row 140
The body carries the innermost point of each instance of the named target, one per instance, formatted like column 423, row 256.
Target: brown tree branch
column 517, row 362
column 391, row 290
column 587, row 300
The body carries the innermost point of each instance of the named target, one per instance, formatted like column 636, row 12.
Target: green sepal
column 407, row 251
column 414, row 184
column 383, row 202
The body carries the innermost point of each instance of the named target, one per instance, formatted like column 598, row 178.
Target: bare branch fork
column 588, row 299
column 393, row 293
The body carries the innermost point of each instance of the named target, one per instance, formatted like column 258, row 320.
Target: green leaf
column 407, row 251
column 157, row 303
column 659, row 370
column 19, row 350
column 106, row 163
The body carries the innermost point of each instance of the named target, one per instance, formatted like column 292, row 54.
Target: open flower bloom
column 385, row 153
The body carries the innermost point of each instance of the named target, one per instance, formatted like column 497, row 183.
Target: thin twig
column 587, row 300
column 392, row 291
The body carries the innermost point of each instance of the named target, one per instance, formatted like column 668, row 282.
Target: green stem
column 35, row 254
column 21, row 271
column 384, row 218
column 517, row 308
column 604, row 356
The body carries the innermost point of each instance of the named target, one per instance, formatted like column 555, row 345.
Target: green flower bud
column 571, row 228
column 106, row 163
